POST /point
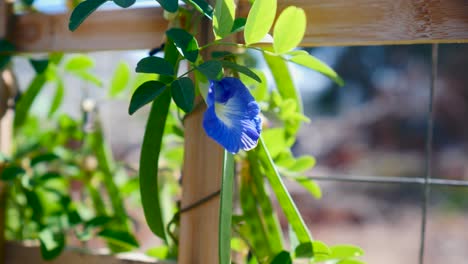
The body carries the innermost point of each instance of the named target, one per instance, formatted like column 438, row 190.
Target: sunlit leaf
column 58, row 97
column 289, row 29
column 79, row 63
column 24, row 104
column 311, row 186
column 259, row 20
column 223, row 19
column 186, row 44
column 313, row 63
column 120, row 79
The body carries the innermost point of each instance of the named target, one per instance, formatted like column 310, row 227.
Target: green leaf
column 144, row 94
column 203, row 7
column 6, row 51
column 221, row 54
column 149, row 158
column 79, row 63
column 309, row 61
column 350, row 261
column 223, row 19
column 186, row 44
column 27, row 2
column 183, row 93
column 345, row 251
column 161, row 252
column 238, row 25
column 169, row 5
column 58, row 97
column 82, row 11
column 320, row 249
column 121, row 238
column 211, row 69
column 310, row 185
column 98, row 221
column 52, row 243
column 11, row 173
column 39, row 65
column 89, row 77
column 124, row 3
column 120, row 79
column 241, row 69
column 43, row 158
column 225, row 209
column 259, row 20
column 302, row 164
column 283, row 196
column 155, row 65
column 289, row 29
column 24, row 104
column 282, row 258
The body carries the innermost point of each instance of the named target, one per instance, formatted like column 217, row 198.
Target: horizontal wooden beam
column 127, row 29
column 330, row 23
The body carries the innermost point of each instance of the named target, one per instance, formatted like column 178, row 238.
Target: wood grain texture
column 21, row 254
column 140, row 28
column 330, row 23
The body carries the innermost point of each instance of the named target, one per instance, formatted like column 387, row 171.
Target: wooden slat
column 140, row 28
column 331, row 22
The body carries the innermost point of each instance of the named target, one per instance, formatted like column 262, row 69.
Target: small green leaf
column 320, row 249
column 124, row 3
column 58, row 97
column 155, row 65
column 350, row 261
column 82, row 11
column 98, row 221
column 89, row 77
column 169, row 5
column 120, row 238
column 203, row 7
column 186, row 44
column 144, row 94
column 223, row 19
column 183, row 93
column 221, row 54
column 79, row 63
column 302, row 164
column 309, row 61
column 39, row 65
column 161, row 252
column 225, row 209
column 289, row 29
column 311, row 186
column 241, row 69
column 211, row 69
column 282, row 258
column 238, row 25
column 11, row 173
column 345, row 251
column 52, row 243
column 120, row 79
column 259, row 20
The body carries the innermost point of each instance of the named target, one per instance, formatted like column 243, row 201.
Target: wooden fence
column 330, row 23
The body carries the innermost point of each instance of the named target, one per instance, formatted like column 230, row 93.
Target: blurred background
column 373, row 126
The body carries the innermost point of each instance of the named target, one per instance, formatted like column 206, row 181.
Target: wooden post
column 203, row 166
column 6, row 124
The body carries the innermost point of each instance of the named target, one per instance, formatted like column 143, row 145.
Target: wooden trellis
column 330, row 23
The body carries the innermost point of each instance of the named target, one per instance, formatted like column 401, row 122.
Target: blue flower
column 232, row 118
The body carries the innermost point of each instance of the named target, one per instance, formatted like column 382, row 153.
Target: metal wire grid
column 425, row 181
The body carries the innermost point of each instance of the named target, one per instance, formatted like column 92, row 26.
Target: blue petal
column 232, row 118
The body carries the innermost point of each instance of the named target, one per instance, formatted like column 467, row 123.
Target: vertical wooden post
column 6, row 123
column 203, row 165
